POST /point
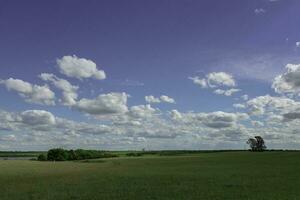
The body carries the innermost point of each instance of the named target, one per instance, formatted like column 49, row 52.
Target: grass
column 223, row 175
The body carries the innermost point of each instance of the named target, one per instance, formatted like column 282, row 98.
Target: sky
column 160, row 74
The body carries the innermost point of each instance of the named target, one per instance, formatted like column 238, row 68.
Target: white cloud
column 261, row 104
column 259, row 11
column 166, row 99
column 142, row 111
column 216, row 120
column 69, row 91
column 146, row 125
column 44, row 121
column 161, row 99
column 32, row 120
column 214, row 79
column 80, row 68
column 17, row 85
column 221, row 119
column 288, row 82
column 245, row 97
column 141, row 125
column 175, row 115
column 152, row 99
column 198, row 81
column 257, row 123
column 297, row 44
column 233, row 134
column 31, row 93
column 8, row 138
column 228, row 92
column 104, row 104
column 37, row 117
column 238, row 105
column 292, row 115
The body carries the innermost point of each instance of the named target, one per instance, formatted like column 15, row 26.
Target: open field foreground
column 228, row 175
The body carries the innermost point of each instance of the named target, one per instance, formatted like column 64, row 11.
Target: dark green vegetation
column 257, row 143
column 78, row 154
column 223, row 175
column 16, row 154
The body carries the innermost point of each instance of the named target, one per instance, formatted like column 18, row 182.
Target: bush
column 72, row 155
column 57, row 155
column 133, row 154
column 79, row 154
column 42, row 157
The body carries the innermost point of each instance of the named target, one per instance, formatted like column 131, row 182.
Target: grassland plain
column 216, row 176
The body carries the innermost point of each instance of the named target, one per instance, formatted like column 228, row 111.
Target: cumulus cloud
column 297, row 44
column 137, row 116
column 104, row 104
column 37, row 117
column 7, row 120
column 166, row 99
column 221, row 119
column 80, row 68
column 30, row 125
column 217, row 80
column 199, row 81
column 175, row 114
column 214, row 79
column 292, row 115
column 217, row 120
column 228, row 92
column 142, row 123
column 289, row 81
column 161, row 99
column 142, row 111
column 261, row 104
column 69, row 91
column 137, row 125
column 233, row 134
column 70, row 127
column 31, row 93
column 152, row 99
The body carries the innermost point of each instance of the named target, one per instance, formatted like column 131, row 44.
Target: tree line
column 60, row 154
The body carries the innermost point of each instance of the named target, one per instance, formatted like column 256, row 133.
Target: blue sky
column 149, row 48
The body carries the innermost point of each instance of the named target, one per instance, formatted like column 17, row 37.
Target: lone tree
column 257, row 143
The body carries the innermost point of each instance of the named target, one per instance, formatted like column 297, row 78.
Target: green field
column 223, row 175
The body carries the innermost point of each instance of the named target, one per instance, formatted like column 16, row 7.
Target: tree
column 57, row 155
column 42, row 157
column 60, row 154
column 252, row 143
column 260, row 143
column 72, row 155
column 257, row 143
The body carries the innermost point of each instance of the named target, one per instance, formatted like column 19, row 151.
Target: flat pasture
column 216, row 176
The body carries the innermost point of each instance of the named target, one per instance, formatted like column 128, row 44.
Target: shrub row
column 60, row 154
column 134, row 154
